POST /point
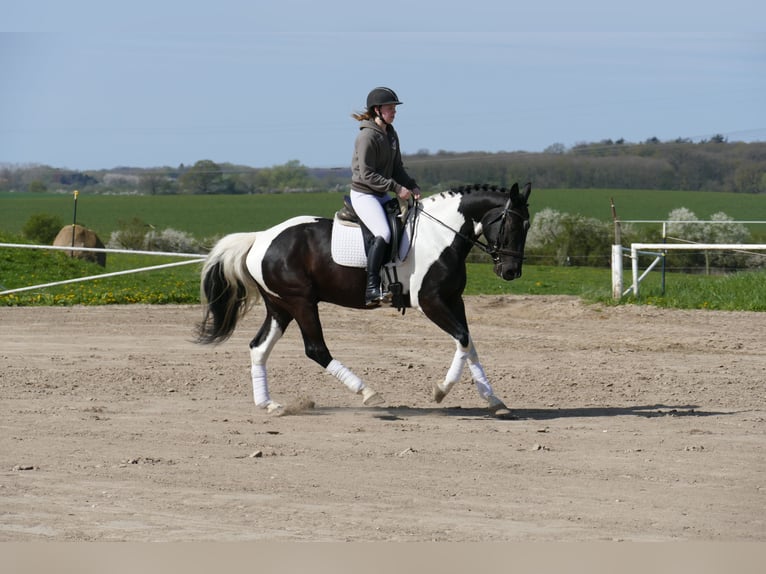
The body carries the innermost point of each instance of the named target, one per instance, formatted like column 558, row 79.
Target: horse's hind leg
column 260, row 348
column 316, row 350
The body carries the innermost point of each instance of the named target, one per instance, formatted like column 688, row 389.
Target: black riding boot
column 375, row 256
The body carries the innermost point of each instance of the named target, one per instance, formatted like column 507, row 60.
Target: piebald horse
column 291, row 268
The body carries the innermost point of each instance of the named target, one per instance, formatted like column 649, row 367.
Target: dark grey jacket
column 377, row 165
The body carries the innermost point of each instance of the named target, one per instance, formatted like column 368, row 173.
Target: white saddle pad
column 347, row 244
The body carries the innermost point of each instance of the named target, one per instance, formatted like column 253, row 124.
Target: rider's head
column 381, row 103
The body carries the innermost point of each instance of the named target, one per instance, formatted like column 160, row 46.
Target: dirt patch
column 631, row 423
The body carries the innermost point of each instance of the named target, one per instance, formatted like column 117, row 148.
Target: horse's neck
column 445, row 209
column 455, row 209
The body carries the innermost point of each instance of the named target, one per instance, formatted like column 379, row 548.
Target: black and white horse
column 293, row 266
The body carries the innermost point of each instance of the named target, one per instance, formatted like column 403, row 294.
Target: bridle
column 495, row 250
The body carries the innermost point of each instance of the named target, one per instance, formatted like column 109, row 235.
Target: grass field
column 209, row 215
column 24, row 267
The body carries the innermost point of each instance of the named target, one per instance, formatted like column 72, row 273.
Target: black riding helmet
column 381, row 97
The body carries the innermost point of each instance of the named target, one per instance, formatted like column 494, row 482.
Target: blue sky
column 95, row 85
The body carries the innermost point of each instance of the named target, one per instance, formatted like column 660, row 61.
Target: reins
column 494, row 250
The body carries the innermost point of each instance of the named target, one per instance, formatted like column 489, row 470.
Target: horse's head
column 506, row 232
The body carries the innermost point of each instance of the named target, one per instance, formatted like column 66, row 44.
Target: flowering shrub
column 140, row 236
column 565, row 239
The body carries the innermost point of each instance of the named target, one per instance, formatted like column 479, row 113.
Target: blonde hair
column 361, row 116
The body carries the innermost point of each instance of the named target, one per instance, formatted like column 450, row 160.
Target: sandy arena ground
column 631, row 423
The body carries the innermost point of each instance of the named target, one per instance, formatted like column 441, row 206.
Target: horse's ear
column 515, row 190
column 527, row 190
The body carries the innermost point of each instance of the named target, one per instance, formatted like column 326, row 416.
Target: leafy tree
column 750, row 177
column 557, row 148
column 287, row 177
column 76, row 178
column 155, row 183
column 203, row 177
column 246, row 182
column 37, row 186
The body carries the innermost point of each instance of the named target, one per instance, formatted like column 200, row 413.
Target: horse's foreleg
column 480, row 380
column 462, row 355
column 449, row 314
column 455, row 372
column 316, row 349
column 260, row 349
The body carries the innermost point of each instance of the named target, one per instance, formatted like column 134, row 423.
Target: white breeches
column 370, row 210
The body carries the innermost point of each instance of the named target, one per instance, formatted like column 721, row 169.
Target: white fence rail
column 193, row 258
column 658, row 251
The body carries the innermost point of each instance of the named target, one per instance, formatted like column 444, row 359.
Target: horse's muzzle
column 508, row 272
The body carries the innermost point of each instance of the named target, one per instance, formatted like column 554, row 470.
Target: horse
column 291, row 268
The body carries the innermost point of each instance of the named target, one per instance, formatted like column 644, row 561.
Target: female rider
column 376, row 171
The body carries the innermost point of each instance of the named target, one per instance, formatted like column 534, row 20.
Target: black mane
column 479, row 187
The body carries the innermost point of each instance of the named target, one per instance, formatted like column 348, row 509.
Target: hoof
column 274, row 408
column 504, row 414
column 495, row 404
column 370, row 398
column 438, row 394
column 498, row 409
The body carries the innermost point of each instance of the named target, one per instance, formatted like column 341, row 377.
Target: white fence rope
column 193, row 258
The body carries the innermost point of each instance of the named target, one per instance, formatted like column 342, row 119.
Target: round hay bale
column 83, row 237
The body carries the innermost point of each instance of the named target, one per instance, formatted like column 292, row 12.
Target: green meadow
column 213, row 216
column 210, row 215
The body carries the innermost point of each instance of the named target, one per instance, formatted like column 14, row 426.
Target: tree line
column 711, row 165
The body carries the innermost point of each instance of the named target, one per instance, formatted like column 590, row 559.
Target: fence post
column 616, row 272
column 616, row 255
column 74, row 220
column 664, row 240
column 634, row 266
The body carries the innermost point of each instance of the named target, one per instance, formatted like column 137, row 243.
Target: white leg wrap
column 260, row 386
column 478, row 375
column 455, row 370
column 454, row 374
column 345, row 376
column 258, row 357
column 480, row 380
